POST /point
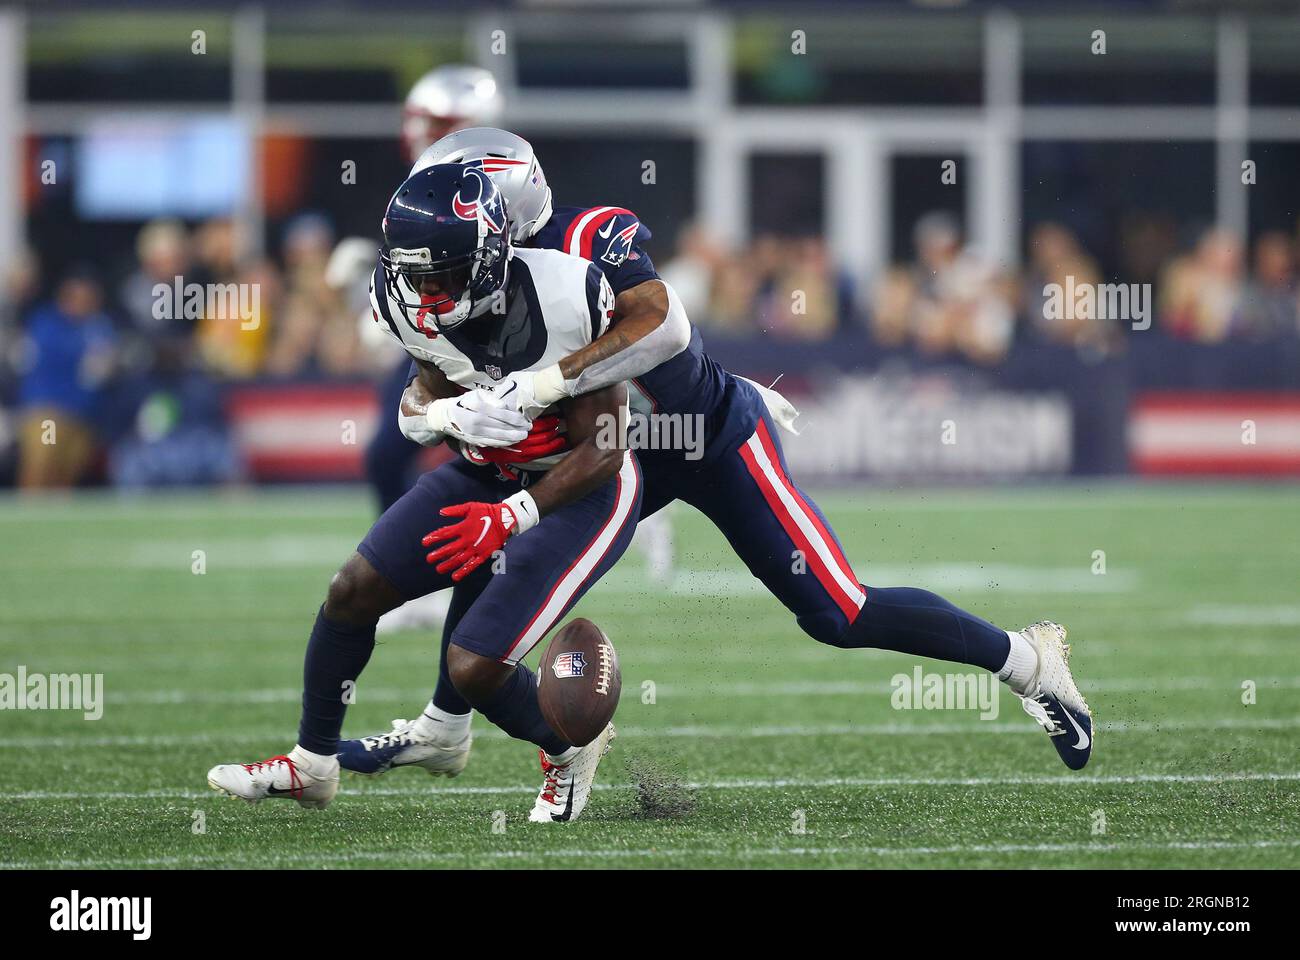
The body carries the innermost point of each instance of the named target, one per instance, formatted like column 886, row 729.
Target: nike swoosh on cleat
column 1083, row 737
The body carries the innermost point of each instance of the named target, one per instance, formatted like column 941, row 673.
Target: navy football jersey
column 610, row 237
column 689, row 383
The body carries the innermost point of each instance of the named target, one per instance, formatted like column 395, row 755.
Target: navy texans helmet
column 446, row 245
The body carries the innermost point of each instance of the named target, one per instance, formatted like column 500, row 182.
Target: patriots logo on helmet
column 620, row 246
column 570, row 664
column 486, row 202
column 496, row 164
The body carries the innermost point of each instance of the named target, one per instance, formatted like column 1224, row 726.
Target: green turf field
column 754, row 729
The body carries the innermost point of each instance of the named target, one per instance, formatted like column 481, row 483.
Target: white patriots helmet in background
column 511, row 163
column 445, row 99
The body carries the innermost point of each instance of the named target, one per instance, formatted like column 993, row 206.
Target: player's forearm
column 413, row 417
column 597, row 427
column 650, row 326
column 416, row 399
column 428, row 386
column 585, row 468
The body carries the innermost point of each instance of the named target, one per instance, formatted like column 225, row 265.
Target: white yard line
column 822, row 688
column 798, row 688
column 654, row 853
column 1243, row 615
column 971, row 725
column 792, row 783
column 728, row 579
column 731, row 580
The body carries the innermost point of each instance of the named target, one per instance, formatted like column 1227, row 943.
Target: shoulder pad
column 605, row 235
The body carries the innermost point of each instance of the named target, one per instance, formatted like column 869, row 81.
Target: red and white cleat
column 567, row 786
column 309, row 779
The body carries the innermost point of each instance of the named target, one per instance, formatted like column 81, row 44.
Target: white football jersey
column 552, row 304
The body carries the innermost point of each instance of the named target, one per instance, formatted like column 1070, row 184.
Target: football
column 579, row 682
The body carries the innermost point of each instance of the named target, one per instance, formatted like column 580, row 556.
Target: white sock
column 1021, row 665
column 317, row 764
column 441, row 725
column 565, row 757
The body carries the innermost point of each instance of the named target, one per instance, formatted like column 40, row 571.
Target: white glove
column 533, row 390
column 418, row 429
column 479, row 418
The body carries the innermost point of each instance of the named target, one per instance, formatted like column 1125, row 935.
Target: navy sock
column 513, row 708
column 336, row 653
column 916, row 621
column 445, row 695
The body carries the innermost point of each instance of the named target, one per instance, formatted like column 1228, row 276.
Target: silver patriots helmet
column 511, row 163
column 446, row 99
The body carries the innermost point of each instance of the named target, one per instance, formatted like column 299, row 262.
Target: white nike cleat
column 406, row 746
column 282, row 776
column 422, row 613
column 567, row 786
column 1053, row 699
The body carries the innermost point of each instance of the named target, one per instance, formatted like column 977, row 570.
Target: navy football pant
column 786, row 542
column 504, row 609
column 390, row 456
column 774, row 528
column 540, row 575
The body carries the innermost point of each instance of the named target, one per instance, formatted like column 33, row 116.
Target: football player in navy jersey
column 522, row 526
column 738, row 478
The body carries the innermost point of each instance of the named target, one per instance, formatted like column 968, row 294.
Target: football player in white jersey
column 444, row 100
column 522, row 525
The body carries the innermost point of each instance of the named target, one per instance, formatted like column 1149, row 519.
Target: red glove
column 544, row 439
column 484, row 530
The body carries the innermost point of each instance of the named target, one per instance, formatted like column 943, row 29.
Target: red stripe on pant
column 635, row 480
column 765, row 437
column 848, row 606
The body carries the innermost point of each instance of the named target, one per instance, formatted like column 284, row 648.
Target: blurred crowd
column 951, row 301
column 126, row 359
column 108, row 361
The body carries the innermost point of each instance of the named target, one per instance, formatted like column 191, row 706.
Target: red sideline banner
column 303, row 432
column 1241, row 433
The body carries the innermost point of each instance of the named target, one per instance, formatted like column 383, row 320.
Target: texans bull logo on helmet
column 475, row 208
